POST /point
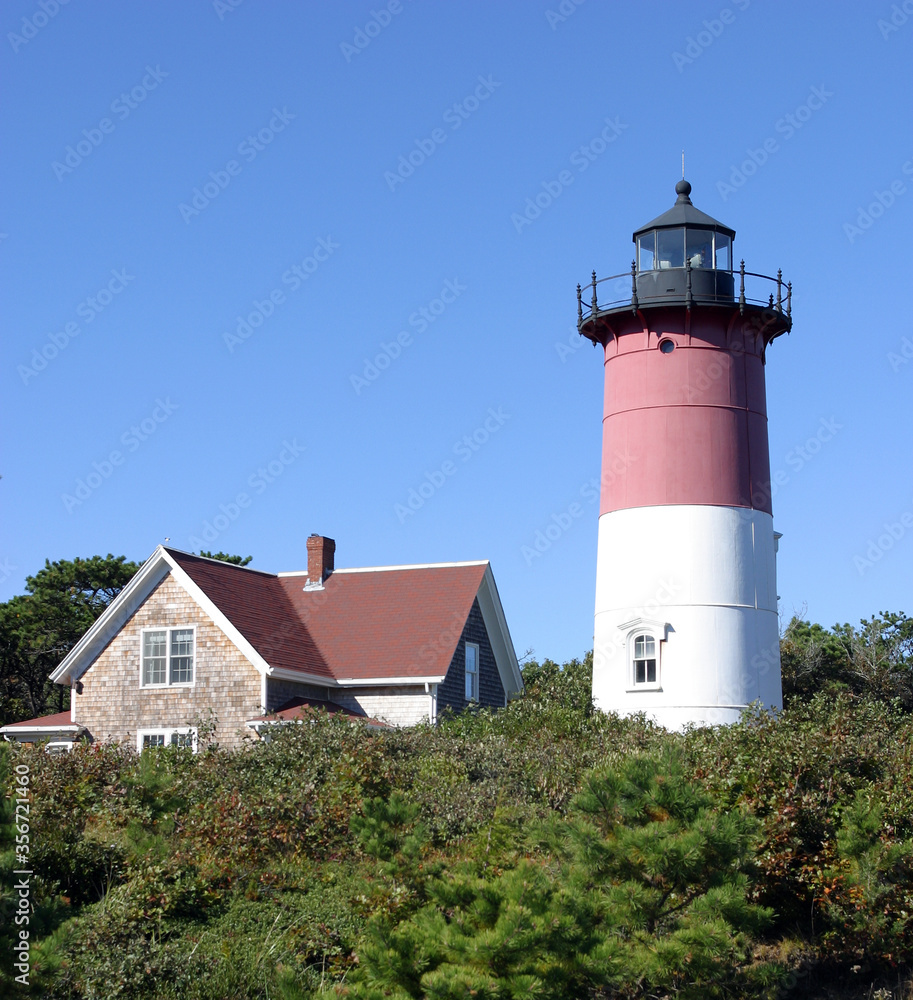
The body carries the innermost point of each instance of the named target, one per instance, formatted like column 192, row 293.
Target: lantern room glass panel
column 646, row 251
column 723, row 253
column 670, row 248
column 699, row 247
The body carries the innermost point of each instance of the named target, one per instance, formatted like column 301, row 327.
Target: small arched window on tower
column 644, row 659
column 644, row 645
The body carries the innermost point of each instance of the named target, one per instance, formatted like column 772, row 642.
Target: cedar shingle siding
column 452, row 693
column 113, row 706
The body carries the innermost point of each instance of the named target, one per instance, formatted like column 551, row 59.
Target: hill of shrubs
column 543, row 851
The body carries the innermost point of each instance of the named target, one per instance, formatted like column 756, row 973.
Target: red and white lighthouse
column 686, row 625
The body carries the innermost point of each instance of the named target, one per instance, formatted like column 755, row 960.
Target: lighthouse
column 686, row 626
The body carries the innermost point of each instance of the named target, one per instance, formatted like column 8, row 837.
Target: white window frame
column 649, row 653
column 652, row 630
column 167, row 733
column 167, row 629
column 471, row 690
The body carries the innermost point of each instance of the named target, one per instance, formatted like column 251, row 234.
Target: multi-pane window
column 644, row 659
column 181, row 738
column 155, row 657
column 181, row 656
column 167, row 656
column 472, row 672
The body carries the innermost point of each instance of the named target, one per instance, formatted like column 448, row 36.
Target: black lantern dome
column 684, row 238
column 684, row 258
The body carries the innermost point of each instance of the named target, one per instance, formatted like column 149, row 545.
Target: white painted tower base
column 702, row 581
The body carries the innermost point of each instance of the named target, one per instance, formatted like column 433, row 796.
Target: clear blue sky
column 166, row 167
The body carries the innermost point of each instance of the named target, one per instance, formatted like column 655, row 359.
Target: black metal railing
column 623, row 293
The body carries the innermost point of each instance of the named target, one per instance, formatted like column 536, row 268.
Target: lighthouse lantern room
column 686, row 626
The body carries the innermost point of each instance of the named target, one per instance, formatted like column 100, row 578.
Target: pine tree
column 670, row 873
column 640, row 891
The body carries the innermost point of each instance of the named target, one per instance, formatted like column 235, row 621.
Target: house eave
column 155, row 569
column 499, row 636
column 109, row 624
column 404, row 681
column 300, row 676
column 42, row 732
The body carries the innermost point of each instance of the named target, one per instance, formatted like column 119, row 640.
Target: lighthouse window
column 644, row 659
column 699, row 247
column 646, row 251
column 667, row 346
column 723, row 253
column 670, row 248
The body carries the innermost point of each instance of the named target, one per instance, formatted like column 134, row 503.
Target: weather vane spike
column 683, row 164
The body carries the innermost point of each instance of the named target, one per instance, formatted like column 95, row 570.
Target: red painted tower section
column 689, row 422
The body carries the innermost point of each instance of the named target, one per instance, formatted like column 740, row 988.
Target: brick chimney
column 320, row 559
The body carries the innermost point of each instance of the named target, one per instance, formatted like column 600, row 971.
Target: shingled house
column 191, row 638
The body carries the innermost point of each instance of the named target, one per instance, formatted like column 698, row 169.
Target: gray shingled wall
column 452, row 692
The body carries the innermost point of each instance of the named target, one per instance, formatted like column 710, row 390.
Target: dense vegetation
column 545, row 850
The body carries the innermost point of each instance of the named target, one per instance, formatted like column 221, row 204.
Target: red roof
column 363, row 624
column 388, row 623
column 257, row 606
column 45, row 722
